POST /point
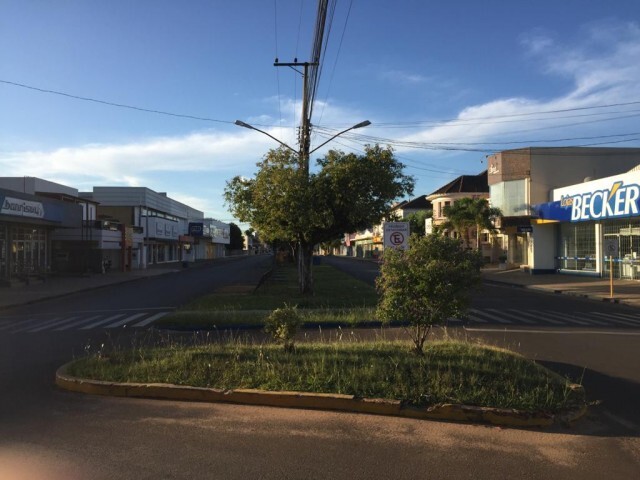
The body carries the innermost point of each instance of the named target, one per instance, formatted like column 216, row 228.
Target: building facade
column 211, row 238
column 592, row 228
column 465, row 186
column 28, row 220
column 519, row 179
column 156, row 226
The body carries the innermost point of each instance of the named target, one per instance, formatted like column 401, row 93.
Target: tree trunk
column 305, row 272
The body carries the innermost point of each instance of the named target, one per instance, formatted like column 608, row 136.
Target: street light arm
column 358, row 125
column 240, row 123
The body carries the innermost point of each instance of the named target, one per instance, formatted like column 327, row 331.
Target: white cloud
column 604, row 69
column 402, row 77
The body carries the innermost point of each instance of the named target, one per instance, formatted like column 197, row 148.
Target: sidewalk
column 624, row 291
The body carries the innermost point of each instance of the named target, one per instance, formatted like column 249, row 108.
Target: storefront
column 26, row 223
column 589, row 216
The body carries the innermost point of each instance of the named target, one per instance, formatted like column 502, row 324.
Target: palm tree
column 460, row 218
column 472, row 212
column 484, row 217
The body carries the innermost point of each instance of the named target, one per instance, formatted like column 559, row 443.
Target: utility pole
column 304, row 139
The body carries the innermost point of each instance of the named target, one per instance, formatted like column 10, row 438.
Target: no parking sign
column 396, row 235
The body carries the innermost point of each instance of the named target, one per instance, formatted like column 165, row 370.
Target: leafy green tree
column 426, row 284
column 348, row 192
column 416, row 221
column 460, row 219
column 236, row 241
column 484, row 217
column 468, row 213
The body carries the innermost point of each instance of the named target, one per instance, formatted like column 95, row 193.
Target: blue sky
column 446, row 83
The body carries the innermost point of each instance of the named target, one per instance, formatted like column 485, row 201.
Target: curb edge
column 318, row 401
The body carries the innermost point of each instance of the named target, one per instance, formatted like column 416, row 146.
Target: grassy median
column 338, row 299
column 448, row 372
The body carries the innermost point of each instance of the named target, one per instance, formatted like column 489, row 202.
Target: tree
column 236, row 241
column 417, row 220
column 348, row 192
column 468, row 213
column 484, row 217
column 460, row 219
column 426, row 284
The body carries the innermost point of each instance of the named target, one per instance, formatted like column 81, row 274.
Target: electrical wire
column 335, row 63
column 114, row 104
column 275, row 18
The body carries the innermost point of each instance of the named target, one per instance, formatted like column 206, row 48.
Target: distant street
column 74, row 436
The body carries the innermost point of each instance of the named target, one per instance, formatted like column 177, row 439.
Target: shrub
column 426, row 284
column 282, row 324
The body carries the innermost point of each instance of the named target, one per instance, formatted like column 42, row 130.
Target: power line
column 513, row 115
column 275, row 18
column 335, row 63
column 113, row 104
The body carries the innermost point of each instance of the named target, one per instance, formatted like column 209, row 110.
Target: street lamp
column 240, row 123
column 366, row 123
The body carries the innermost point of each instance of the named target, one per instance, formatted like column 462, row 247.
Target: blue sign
column 196, row 229
column 618, row 201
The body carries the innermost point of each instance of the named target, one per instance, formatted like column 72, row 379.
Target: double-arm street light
column 304, row 155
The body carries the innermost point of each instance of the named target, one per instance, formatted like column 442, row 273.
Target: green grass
column 448, row 372
column 338, row 299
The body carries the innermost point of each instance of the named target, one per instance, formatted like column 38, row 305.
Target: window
column 578, row 246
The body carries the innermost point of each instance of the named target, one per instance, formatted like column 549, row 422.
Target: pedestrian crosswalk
column 139, row 319
column 80, row 321
column 550, row 318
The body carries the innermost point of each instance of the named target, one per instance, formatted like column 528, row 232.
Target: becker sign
column 396, row 235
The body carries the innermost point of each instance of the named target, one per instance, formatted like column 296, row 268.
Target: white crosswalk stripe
column 51, row 324
column 151, row 319
column 77, row 321
column 512, row 316
column 490, row 316
column 517, row 316
column 614, row 318
column 538, row 315
column 126, row 320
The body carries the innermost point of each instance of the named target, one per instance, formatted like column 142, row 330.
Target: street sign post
column 396, row 235
column 611, row 250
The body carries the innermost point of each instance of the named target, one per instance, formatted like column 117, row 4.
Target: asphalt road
column 50, row 434
column 593, row 343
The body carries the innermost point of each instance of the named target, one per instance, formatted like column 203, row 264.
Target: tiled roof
column 465, row 184
column 420, row 202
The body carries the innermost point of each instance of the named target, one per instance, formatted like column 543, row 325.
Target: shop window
column 627, row 234
column 578, row 247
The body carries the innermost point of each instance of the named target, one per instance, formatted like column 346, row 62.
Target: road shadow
column 613, row 402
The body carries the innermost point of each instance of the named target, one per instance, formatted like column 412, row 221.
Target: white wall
column 542, row 247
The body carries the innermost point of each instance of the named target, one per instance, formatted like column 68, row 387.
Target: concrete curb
column 317, row 401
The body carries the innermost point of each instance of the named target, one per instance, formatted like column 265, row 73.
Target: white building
column 211, row 238
column 157, row 226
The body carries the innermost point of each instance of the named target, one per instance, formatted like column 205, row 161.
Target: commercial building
column 155, row 225
column 592, row 227
column 31, row 210
column 522, row 182
column 211, row 238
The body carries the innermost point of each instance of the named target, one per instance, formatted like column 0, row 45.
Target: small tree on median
column 427, row 284
column 282, row 324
